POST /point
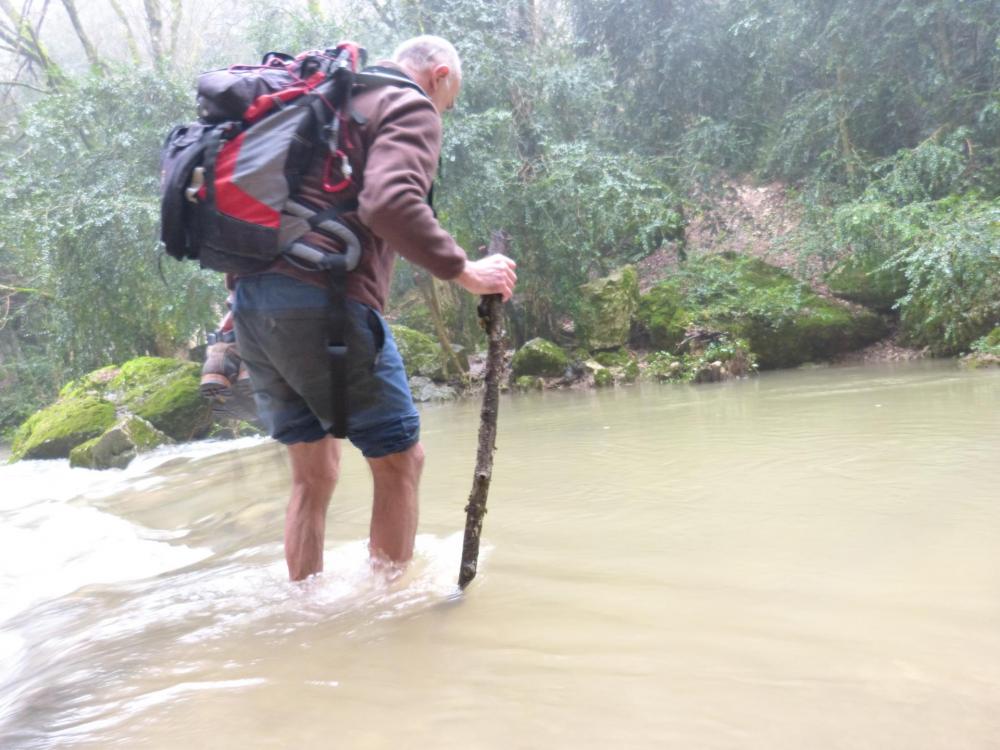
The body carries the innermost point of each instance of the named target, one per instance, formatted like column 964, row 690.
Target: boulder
column 661, row 316
column 539, row 357
column 164, row 392
column 782, row 319
column 116, row 448
column 57, row 429
column 421, row 354
column 424, row 389
column 607, row 307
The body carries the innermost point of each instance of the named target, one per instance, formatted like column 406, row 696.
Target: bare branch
column 24, row 85
column 88, row 48
column 133, row 45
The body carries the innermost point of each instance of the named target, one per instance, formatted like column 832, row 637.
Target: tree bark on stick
column 491, row 317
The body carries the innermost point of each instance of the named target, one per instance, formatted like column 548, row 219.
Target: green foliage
column 79, row 224
column 953, row 272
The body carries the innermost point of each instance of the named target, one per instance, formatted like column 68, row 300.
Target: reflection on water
column 808, row 559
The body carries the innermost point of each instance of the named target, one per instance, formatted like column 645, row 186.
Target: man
column 281, row 315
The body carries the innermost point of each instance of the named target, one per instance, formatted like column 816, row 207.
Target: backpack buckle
column 345, row 170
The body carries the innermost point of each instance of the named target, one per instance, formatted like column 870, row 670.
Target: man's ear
column 440, row 71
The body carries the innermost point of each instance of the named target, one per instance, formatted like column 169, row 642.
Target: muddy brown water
column 809, row 559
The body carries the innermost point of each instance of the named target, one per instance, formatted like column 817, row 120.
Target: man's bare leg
column 395, row 509
column 315, row 467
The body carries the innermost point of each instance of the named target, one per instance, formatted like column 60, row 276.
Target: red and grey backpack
column 229, row 180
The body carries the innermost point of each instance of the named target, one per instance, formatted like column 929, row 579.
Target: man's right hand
column 493, row 274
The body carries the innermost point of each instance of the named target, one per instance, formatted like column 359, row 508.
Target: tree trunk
column 154, row 22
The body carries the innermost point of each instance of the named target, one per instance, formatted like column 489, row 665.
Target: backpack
column 229, row 180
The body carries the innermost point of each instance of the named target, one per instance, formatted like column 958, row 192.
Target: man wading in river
column 282, row 320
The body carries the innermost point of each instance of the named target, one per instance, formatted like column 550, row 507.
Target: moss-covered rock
column 57, row 429
column 421, row 354
column 164, row 392
column 539, row 357
column 607, row 307
column 616, row 358
column 661, row 316
column 784, row 322
column 863, row 279
column 92, row 384
column 116, row 448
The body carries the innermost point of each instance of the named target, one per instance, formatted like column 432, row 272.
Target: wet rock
column 607, row 307
column 116, row 448
column 540, row 357
column 57, row 429
column 165, row 393
column 424, row 390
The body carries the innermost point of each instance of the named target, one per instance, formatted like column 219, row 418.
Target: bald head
column 433, row 63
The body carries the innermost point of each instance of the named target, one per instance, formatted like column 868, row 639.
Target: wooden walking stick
column 490, row 317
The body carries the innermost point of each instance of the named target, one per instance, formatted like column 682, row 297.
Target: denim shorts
column 281, row 332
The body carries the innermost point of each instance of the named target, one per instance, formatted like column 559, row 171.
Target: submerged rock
column 540, row 357
column 116, row 448
column 607, row 307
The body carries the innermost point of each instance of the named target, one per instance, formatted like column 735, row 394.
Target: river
column 807, row 559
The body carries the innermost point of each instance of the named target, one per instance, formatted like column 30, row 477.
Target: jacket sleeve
column 399, row 170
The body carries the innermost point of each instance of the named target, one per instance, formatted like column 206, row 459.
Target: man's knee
column 408, row 462
column 315, row 465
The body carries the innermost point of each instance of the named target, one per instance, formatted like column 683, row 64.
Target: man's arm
column 399, row 170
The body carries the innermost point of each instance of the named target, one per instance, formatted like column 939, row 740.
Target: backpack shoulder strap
column 377, row 75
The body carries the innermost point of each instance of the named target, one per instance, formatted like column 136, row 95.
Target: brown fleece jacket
column 394, row 155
